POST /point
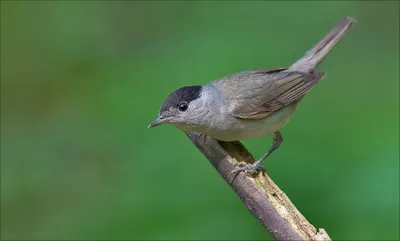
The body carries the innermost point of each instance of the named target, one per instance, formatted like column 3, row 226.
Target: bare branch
column 260, row 194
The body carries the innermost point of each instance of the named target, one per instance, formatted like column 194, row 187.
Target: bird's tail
column 316, row 55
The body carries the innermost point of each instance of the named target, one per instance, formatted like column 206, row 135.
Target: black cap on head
column 187, row 94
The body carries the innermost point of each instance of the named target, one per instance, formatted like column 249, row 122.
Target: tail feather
column 316, row 55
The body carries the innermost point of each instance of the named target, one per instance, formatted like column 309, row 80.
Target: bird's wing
column 256, row 94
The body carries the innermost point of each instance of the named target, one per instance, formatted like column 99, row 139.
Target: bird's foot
column 248, row 169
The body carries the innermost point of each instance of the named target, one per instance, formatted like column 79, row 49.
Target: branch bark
column 260, row 194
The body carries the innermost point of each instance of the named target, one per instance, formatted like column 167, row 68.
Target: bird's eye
column 183, row 106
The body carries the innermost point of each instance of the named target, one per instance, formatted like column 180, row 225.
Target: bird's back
column 256, row 94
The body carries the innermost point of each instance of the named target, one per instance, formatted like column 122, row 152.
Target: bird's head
column 181, row 108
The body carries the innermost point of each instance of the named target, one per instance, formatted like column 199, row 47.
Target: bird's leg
column 254, row 167
column 275, row 144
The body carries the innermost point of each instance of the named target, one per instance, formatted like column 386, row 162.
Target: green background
column 80, row 82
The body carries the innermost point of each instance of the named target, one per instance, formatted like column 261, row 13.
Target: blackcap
column 249, row 104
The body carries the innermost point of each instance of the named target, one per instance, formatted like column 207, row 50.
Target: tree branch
column 260, row 194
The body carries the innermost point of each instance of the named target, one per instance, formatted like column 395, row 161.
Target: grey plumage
column 257, row 94
column 249, row 104
column 317, row 54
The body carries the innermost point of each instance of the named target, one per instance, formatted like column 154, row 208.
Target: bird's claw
column 248, row 169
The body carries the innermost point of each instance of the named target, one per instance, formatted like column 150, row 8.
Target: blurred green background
column 80, row 82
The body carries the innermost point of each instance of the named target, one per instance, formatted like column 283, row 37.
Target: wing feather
column 270, row 91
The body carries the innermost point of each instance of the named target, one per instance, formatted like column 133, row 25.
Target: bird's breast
column 229, row 128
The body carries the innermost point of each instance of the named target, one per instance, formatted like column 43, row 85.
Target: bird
column 249, row 104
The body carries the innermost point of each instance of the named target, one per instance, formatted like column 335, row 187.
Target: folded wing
column 257, row 94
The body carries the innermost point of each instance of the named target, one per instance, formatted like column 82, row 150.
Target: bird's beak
column 160, row 120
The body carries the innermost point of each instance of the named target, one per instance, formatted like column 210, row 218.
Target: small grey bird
column 249, row 104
